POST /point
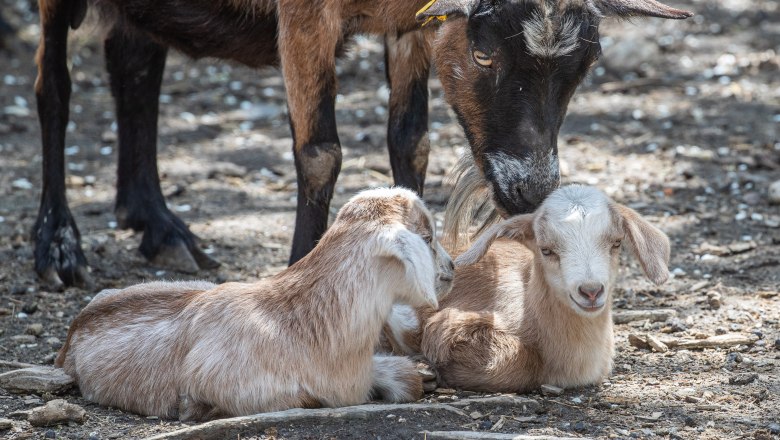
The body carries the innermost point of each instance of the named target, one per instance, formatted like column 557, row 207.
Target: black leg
column 136, row 65
column 407, row 60
column 59, row 260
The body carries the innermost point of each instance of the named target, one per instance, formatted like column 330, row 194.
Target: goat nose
column 591, row 291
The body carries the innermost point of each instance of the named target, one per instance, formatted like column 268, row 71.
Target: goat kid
column 531, row 297
column 303, row 338
column 508, row 69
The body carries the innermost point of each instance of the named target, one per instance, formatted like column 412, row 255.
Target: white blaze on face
column 576, row 227
column 546, row 36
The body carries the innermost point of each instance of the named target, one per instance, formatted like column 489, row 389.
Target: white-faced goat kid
column 531, row 298
column 302, row 338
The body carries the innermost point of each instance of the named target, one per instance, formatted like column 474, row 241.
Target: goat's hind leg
column 401, row 379
column 136, row 64
column 59, row 260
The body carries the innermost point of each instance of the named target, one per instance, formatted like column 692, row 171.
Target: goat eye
column 427, row 238
column 616, row 244
column 547, row 252
column 482, row 58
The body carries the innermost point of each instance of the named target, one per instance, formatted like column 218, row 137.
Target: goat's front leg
column 308, row 38
column 136, row 65
column 407, row 60
column 59, row 260
column 401, row 379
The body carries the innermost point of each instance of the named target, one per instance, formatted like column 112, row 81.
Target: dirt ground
column 680, row 120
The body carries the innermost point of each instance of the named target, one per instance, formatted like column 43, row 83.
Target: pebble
column 50, row 434
column 23, row 339
column 34, row 329
column 30, row 308
column 6, row 424
column 551, row 390
column 54, row 342
column 714, row 299
column 774, row 193
column 743, row 378
column 777, row 344
column 56, row 412
column 774, row 428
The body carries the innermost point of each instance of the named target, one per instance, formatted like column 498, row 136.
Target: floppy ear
column 417, row 260
column 639, row 8
column 440, row 9
column 649, row 245
column 519, row 227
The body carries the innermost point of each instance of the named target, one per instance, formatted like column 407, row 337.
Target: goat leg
column 136, row 64
column 59, row 260
column 397, row 379
column 308, row 40
column 407, row 60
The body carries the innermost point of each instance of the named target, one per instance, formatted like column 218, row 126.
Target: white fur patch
column 548, row 38
column 403, row 319
column 538, row 170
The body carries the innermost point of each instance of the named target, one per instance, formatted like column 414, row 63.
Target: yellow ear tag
column 438, row 17
column 428, row 20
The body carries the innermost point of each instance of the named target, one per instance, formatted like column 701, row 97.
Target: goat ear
column 519, row 227
column 649, row 245
column 440, row 9
column 417, row 260
column 639, row 8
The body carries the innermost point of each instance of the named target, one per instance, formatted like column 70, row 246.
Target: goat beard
column 470, row 208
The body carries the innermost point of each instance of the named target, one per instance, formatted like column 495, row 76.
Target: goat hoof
column 427, row 373
column 55, row 281
column 181, row 258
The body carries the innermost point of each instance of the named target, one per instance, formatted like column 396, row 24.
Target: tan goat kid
column 303, row 338
column 531, row 298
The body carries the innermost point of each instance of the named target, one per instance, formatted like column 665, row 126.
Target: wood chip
column 551, row 390
column 638, row 341
column 656, row 344
column 719, row 341
column 657, row 315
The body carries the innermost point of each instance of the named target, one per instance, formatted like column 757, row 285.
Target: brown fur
column 505, row 328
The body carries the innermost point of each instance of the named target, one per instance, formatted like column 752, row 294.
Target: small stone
column 774, row 193
column 56, row 412
column 485, row 424
column 777, row 344
column 23, row 339
column 54, row 342
column 551, row 390
column 714, row 299
column 6, row 424
column 766, row 294
column 476, row 415
column 34, row 329
column 50, row 434
column 743, row 378
column 774, row 428
column 30, row 308
column 580, row 426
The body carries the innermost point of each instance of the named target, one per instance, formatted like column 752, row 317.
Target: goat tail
column 471, row 203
